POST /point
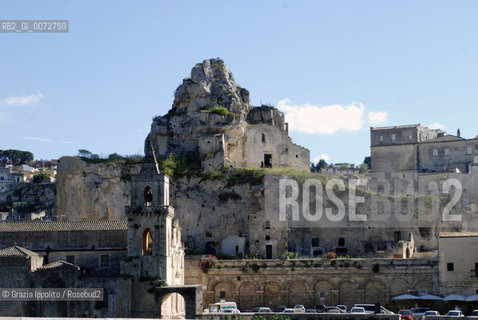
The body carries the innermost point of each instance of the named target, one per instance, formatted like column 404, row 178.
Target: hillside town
column 225, row 214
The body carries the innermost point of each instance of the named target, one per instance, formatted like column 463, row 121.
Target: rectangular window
column 397, row 236
column 435, row 152
column 410, row 138
column 222, row 295
column 447, row 152
column 268, row 225
column 105, row 260
column 70, row 259
column 380, row 139
column 341, row 242
column 392, row 137
column 469, row 150
column 450, row 266
column 315, row 242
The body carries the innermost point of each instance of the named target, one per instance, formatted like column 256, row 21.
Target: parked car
column 406, row 314
column 320, row 308
column 342, row 308
column 310, row 311
column 369, row 308
column 430, row 313
column 420, row 311
column 264, row 310
column 280, row 308
column 358, row 310
column 474, row 313
column 454, row 313
column 385, row 311
column 334, row 311
column 234, row 311
column 299, row 308
column 288, row 310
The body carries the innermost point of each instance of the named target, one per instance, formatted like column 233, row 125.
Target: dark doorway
column 268, row 160
column 268, row 252
column 211, row 248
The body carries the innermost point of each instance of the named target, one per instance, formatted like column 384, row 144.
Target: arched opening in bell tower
column 147, row 242
column 148, row 196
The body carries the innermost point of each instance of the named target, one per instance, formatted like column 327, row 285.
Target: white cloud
column 377, row 118
column 22, row 100
column 45, row 140
column 327, row 120
column 321, row 156
column 436, row 125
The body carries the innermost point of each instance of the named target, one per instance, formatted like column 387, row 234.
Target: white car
column 288, row 310
column 454, row 313
column 264, row 310
column 299, row 308
column 234, row 311
column 430, row 313
column 358, row 310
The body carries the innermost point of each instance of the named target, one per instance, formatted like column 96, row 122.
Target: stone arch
column 147, row 247
column 272, row 293
column 298, row 293
column 323, row 293
column 374, row 292
column 192, row 295
column 348, row 292
column 148, row 196
column 173, row 306
column 424, row 284
column 398, row 287
column 222, row 288
column 247, row 295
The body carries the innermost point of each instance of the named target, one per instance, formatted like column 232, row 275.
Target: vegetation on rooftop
column 113, row 159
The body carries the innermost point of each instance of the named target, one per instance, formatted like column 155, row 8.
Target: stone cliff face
column 92, row 191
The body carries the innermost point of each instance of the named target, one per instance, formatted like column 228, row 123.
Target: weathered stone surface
column 92, row 191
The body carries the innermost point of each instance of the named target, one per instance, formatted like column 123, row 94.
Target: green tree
column 368, row 162
column 363, row 168
column 115, row 157
column 15, row 157
column 321, row 165
column 39, row 178
column 84, row 153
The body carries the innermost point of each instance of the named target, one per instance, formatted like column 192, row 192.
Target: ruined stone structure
column 314, row 281
column 211, row 118
column 128, row 259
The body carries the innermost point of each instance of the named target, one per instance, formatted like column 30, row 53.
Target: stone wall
column 312, row 281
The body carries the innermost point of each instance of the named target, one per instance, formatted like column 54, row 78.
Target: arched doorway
column 247, row 296
column 272, row 295
column 173, row 306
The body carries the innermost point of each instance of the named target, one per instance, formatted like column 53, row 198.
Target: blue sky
column 331, row 66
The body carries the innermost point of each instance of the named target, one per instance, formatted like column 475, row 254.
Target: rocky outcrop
column 92, row 191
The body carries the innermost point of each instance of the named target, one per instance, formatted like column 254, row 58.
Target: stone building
column 212, row 119
column 458, row 264
column 128, row 259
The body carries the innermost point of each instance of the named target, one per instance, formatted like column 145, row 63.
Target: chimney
column 458, row 133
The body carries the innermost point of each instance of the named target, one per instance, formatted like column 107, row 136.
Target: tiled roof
column 396, row 127
column 458, row 234
column 16, row 251
column 60, row 264
column 63, row 226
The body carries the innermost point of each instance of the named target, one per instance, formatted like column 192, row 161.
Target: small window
column 70, row 259
column 148, row 196
column 268, row 237
column 410, row 138
column 263, row 138
column 447, row 152
column 397, row 236
column 469, row 150
column 315, row 242
column 435, row 152
column 380, row 139
column 267, row 225
column 392, row 137
column 450, row 266
column 208, row 234
column 341, row 242
column 222, row 295
column 104, row 260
